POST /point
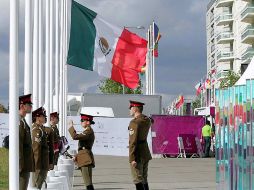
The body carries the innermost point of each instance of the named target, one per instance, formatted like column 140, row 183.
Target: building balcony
column 213, row 63
column 211, row 18
column 247, row 14
column 247, row 55
column 224, row 3
column 225, row 37
column 225, row 56
column 212, row 48
column 221, row 74
column 248, row 35
column 224, row 19
column 212, row 33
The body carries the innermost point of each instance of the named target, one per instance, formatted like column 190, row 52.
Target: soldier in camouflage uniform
column 54, row 119
column 85, row 158
column 40, row 147
column 139, row 154
column 26, row 157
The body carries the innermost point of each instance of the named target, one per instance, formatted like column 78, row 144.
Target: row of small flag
column 206, row 82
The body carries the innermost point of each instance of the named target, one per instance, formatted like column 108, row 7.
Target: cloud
column 182, row 48
column 197, row 7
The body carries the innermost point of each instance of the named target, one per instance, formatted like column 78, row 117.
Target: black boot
column 146, row 187
column 139, row 186
column 89, row 187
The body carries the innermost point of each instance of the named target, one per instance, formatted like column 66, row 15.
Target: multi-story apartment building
column 230, row 39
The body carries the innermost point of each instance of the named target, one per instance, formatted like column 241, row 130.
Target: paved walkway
column 165, row 173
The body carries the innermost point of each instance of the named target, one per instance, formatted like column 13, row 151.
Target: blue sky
column 182, row 48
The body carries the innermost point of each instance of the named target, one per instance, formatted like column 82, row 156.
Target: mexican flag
column 100, row 46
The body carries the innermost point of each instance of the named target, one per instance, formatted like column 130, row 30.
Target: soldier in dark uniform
column 50, row 140
column 40, row 147
column 54, row 119
column 26, row 157
column 85, row 158
column 139, row 154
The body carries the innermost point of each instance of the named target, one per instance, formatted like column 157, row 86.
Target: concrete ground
column 164, row 173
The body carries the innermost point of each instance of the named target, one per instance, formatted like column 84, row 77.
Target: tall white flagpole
column 61, row 70
column 36, row 56
column 13, row 97
column 28, row 53
column 57, row 55
column 147, row 62
column 153, row 79
column 65, row 67
column 151, row 59
column 41, row 57
column 51, row 36
column 47, row 61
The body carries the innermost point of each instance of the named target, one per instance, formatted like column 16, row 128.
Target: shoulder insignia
column 37, row 139
column 83, row 133
column 131, row 132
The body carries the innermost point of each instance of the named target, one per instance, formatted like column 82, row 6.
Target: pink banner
column 166, row 129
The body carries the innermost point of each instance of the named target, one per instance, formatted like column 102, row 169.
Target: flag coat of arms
column 111, row 51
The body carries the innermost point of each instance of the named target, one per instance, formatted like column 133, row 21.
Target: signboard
column 111, row 135
column 189, row 143
column 167, row 128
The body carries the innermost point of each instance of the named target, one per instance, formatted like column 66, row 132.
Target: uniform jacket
column 86, row 140
column 57, row 138
column 138, row 131
column 40, row 147
column 50, row 141
column 26, row 156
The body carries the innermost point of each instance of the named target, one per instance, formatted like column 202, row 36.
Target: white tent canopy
column 248, row 74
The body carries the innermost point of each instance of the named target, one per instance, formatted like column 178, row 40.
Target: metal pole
column 28, row 53
column 153, row 79
column 65, row 68
column 13, row 97
column 47, row 61
column 36, row 56
column 41, row 57
column 147, row 63
column 51, row 36
column 151, row 63
column 61, row 71
column 57, row 56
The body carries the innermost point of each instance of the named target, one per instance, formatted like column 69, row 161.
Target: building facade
column 230, row 39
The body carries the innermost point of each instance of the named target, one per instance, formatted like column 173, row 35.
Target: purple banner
column 167, row 128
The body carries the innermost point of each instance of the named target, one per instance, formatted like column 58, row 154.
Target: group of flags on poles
column 113, row 52
column 206, row 83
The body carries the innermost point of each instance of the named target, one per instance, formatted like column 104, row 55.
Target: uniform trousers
column 140, row 172
column 56, row 156
column 23, row 180
column 87, row 175
column 39, row 176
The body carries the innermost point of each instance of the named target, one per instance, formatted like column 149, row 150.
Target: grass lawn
column 4, row 169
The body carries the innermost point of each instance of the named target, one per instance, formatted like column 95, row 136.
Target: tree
column 230, row 79
column 109, row 86
column 196, row 103
column 3, row 109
